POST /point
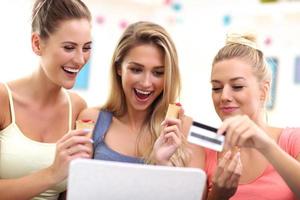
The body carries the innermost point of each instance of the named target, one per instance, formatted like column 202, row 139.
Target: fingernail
column 178, row 104
column 163, row 123
column 92, row 141
column 227, row 154
column 87, row 130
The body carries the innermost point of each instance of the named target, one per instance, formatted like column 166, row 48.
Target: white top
column 20, row 156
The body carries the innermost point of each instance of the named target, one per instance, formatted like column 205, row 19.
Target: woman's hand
column 241, row 131
column 73, row 145
column 227, row 175
column 169, row 140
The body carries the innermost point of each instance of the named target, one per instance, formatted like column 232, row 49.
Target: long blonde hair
column 147, row 33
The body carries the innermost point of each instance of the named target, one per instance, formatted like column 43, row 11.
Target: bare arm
column 285, row 165
column 71, row 146
column 243, row 132
column 27, row 187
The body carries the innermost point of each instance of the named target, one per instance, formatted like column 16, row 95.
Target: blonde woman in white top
column 37, row 114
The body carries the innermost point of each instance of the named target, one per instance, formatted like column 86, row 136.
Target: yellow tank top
column 20, row 156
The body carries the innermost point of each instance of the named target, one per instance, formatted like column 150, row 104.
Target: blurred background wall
column 198, row 28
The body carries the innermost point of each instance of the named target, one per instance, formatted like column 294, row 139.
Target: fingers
column 172, row 138
column 78, row 149
column 233, row 181
column 223, row 128
column 82, row 132
column 222, row 164
column 74, row 137
column 172, row 121
column 75, row 143
column 172, row 128
column 244, row 138
column 228, row 171
column 239, row 130
column 231, row 132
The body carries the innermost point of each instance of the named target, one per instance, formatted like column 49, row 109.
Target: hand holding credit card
column 205, row 136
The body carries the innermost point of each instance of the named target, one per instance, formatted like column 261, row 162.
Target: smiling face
column 142, row 75
column 235, row 89
column 66, row 51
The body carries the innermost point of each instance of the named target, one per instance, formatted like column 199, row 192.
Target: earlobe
column 36, row 43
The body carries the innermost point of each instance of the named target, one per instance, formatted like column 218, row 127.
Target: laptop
column 106, row 180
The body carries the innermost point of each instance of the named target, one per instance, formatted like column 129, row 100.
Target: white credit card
column 206, row 136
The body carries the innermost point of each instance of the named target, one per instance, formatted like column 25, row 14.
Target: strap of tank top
column 70, row 110
column 11, row 104
column 102, row 124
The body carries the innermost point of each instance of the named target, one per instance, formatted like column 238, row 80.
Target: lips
column 228, row 110
column 142, row 95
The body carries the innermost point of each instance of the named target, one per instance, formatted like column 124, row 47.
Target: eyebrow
column 140, row 65
column 73, row 43
column 231, row 80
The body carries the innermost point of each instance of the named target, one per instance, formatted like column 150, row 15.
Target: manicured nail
column 86, row 130
column 178, row 104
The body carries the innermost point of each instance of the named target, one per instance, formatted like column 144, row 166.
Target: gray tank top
column 101, row 150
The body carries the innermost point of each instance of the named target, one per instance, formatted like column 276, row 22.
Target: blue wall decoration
column 297, row 70
column 273, row 64
column 82, row 80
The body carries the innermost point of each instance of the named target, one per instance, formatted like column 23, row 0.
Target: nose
column 146, row 80
column 226, row 95
column 79, row 58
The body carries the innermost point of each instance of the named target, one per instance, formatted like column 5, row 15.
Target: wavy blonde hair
column 136, row 34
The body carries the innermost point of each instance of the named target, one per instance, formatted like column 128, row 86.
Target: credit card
column 206, row 136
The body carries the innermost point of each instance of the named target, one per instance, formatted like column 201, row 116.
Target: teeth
column 143, row 92
column 71, row 69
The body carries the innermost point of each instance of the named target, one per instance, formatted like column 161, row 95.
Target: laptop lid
column 105, row 180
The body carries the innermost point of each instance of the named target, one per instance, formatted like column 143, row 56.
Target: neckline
column 19, row 130
column 20, row 133
column 120, row 154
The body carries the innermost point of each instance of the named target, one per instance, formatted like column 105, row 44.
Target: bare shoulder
column 89, row 113
column 3, row 94
column 4, row 106
column 78, row 102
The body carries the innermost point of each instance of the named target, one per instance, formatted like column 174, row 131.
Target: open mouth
column 70, row 70
column 142, row 95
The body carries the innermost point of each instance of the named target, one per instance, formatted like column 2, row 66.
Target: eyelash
column 70, row 48
column 135, row 70
column 158, row 73
column 235, row 88
column 155, row 73
column 238, row 88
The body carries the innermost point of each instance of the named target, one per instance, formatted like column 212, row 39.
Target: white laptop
column 104, row 180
